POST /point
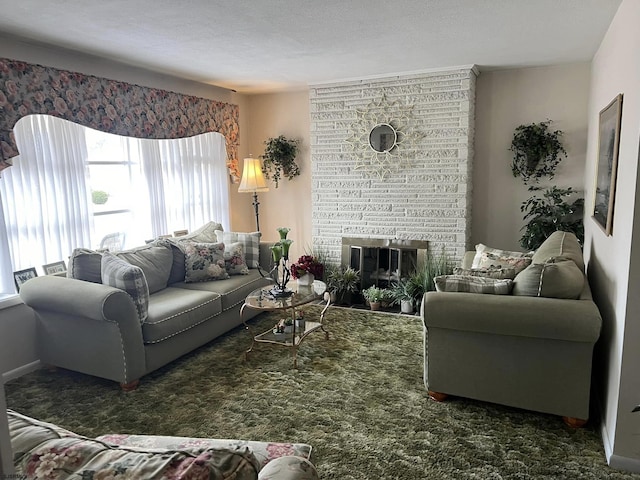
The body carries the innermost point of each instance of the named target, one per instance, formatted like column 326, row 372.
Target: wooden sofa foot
column 437, row 396
column 129, row 387
column 574, row 422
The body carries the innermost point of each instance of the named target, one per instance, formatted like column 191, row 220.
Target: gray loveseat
column 524, row 350
column 97, row 329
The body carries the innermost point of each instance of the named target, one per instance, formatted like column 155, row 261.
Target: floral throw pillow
column 489, row 260
column 204, row 261
column 234, row 260
column 491, row 272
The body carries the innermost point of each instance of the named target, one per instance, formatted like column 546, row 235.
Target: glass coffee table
column 261, row 299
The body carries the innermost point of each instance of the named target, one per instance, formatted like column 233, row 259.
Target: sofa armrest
column 87, row 327
column 289, row 468
column 77, row 297
column 537, row 317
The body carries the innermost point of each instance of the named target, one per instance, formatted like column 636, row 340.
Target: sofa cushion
column 473, row 284
column 84, row 264
column 204, row 261
column 234, row 290
column 155, row 259
column 558, row 277
column 493, row 257
column 178, row 270
column 174, row 310
column 560, row 244
column 117, row 273
column 250, row 243
column 42, row 450
column 234, row 260
column 490, row 272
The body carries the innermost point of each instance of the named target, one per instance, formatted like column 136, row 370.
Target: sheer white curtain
column 187, row 182
column 45, row 197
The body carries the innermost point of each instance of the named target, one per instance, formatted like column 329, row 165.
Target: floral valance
column 108, row 105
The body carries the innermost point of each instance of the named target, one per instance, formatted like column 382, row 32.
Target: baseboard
column 616, row 462
column 20, row 371
column 624, row 463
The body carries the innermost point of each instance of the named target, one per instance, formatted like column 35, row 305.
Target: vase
column 374, row 305
column 406, row 306
column 300, row 324
column 306, row 279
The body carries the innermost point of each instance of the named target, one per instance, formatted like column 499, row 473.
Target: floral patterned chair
column 45, row 451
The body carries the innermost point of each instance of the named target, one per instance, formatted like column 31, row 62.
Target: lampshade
column 252, row 177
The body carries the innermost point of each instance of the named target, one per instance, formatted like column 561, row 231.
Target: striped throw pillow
column 250, row 244
column 120, row 274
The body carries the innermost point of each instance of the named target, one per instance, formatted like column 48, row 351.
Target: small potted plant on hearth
column 403, row 292
column 342, row 282
column 307, row 269
column 373, row 295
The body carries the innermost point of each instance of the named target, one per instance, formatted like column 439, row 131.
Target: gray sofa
column 93, row 328
column 524, row 350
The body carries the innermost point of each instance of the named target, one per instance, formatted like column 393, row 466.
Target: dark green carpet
column 357, row 398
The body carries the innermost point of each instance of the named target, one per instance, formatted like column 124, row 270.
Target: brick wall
column 428, row 197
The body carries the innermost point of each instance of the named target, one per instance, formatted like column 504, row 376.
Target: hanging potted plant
column 537, row 151
column 279, row 157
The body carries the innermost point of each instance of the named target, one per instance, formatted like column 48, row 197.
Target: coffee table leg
column 246, row 327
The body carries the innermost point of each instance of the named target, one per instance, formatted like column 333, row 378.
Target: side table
column 261, row 299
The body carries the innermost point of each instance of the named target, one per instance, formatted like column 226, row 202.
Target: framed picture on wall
column 22, row 276
column 607, row 165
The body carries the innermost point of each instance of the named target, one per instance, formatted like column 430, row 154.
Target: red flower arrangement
column 307, row 264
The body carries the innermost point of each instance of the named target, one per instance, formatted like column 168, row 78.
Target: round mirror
column 383, row 138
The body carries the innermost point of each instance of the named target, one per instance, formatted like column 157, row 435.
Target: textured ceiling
column 263, row 45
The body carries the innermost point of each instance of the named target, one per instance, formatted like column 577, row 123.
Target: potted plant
column 99, row 197
column 421, row 280
column 550, row 213
column 537, row 151
column 403, row 292
column 307, row 269
column 373, row 295
column 278, row 159
column 342, row 282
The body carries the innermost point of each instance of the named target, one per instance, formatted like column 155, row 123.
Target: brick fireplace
column 428, row 196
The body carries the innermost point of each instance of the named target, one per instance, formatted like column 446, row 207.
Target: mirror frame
column 386, row 127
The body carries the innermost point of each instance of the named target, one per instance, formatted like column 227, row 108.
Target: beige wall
column 289, row 205
column 614, row 261
column 506, row 99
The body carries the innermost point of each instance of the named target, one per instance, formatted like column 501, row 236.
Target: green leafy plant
column 373, row 294
column 421, row 281
column 99, row 197
column 537, row 151
column 401, row 290
column 343, row 281
column 549, row 213
column 278, row 159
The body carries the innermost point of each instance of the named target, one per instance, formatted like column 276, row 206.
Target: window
column 73, row 187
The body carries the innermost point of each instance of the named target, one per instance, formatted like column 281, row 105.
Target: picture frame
column 21, row 276
column 55, row 267
column 610, row 121
column 180, row 233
